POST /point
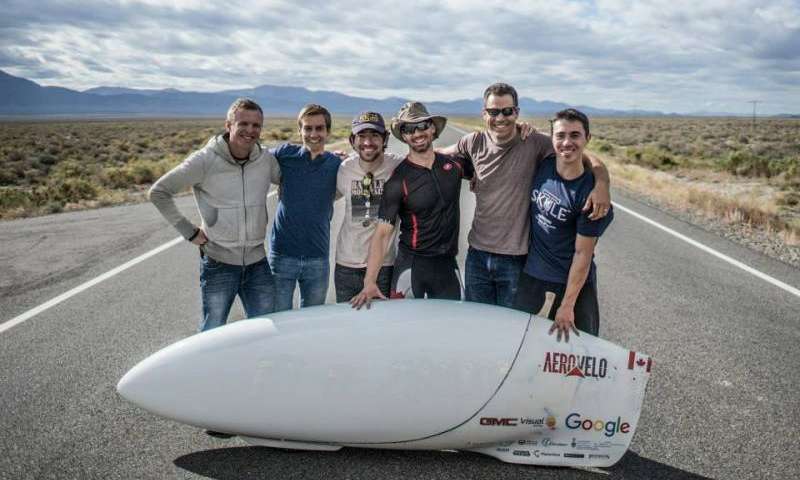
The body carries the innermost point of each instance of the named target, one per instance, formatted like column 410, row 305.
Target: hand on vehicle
column 366, row 295
column 565, row 321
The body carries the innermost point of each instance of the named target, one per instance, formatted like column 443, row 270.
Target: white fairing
column 405, row 374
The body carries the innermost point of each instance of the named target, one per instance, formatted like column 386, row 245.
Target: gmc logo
column 499, row 422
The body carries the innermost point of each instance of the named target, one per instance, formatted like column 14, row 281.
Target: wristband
column 194, row 235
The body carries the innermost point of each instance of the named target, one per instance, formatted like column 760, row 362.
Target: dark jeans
column 220, row 283
column 531, row 294
column 492, row 277
column 350, row 281
column 310, row 273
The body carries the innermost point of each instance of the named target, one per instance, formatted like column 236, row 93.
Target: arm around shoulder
column 599, row 200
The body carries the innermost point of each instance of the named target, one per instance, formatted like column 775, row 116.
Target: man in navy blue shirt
column 563, row 237
column 301, row 232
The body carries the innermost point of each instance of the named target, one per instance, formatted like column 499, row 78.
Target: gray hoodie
column 231, row 198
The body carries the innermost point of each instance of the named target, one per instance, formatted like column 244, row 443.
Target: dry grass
column 51, row 166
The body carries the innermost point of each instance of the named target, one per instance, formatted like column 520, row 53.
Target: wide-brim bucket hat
column 413, row 112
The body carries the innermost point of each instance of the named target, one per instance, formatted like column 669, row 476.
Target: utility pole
column 754, row 102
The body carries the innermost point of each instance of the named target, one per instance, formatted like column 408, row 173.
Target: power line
column 754, row 102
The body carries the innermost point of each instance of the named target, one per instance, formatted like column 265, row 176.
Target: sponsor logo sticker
column 596, row 455
column 574, row 421
column 499, row 422
column 637, row 361
column 522, row 453
column 547, row 442
column 574, row 455
column 569, row 365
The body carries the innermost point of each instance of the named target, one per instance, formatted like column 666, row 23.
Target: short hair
column 314, row 109
column 571, row 115
column 500, row 89
column 242, row 103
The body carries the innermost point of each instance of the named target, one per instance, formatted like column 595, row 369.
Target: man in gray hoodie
column 230, row 178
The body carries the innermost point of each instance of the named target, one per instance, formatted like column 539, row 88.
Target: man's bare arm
column 448, row 150
column 578, row 271
column 377, row 250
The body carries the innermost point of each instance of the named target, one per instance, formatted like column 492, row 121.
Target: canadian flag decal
column 636, row 361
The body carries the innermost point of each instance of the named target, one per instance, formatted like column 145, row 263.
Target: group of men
column 541, row 204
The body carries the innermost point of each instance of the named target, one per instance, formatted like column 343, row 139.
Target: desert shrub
column 602, row 146
column 7, row 177
column 12, row 198
column 71, row 190
column 136, row 172
column 15, row 156
column 747, row 163
column 115, row 177
column 787, row 167
column 789, row 199
column 70, row 169
column 47, row 159
column 650, row 156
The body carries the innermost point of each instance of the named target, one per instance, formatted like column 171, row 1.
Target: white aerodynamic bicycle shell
column 407, row 374
column 334, row 374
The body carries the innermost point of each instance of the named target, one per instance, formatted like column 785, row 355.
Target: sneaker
column 215, row 434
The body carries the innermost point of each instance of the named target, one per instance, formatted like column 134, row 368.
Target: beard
column 422, row 148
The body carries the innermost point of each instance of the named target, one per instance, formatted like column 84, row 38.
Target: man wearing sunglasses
column 361, row 181
column 300, row 243
column 504, row 167
column 424, row 193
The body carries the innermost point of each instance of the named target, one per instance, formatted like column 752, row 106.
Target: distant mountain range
column 22, row 97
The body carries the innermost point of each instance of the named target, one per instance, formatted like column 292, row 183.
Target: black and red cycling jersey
column 427, row 202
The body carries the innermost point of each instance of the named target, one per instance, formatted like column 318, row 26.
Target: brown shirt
column 504, row 175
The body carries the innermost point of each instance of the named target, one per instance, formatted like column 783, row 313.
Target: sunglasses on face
column 409, row 128
column 507, row 112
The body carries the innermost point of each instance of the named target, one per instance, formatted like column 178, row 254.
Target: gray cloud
column 672, row 54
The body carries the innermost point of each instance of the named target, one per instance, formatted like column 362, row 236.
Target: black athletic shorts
column 531, row 294
column 416, row 276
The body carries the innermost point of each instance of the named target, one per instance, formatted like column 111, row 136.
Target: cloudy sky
column 668, row 55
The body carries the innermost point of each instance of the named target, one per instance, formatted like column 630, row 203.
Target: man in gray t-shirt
column 504, row 167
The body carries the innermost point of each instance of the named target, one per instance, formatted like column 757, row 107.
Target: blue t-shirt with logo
column 556, row 220
column 305, row 206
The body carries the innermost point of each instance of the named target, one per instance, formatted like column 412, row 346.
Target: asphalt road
column 722, row 400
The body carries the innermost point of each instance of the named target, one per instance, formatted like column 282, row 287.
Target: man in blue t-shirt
column 301, row 232
column 563, row 237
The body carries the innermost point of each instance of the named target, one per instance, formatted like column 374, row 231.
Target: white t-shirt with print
column 361, row 210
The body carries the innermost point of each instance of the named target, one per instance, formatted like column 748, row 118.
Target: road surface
column 722, row 400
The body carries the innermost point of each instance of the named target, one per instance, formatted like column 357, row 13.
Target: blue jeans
column 491, row 277
column 221, row 282
column 311, row 273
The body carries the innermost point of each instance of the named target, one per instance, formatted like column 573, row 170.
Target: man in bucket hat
column 424, row 193
column 361, row 179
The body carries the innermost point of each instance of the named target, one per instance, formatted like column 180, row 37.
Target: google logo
column 611, row 427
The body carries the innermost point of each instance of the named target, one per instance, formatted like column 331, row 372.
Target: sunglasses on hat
column 507, row 112
column 409, row 128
